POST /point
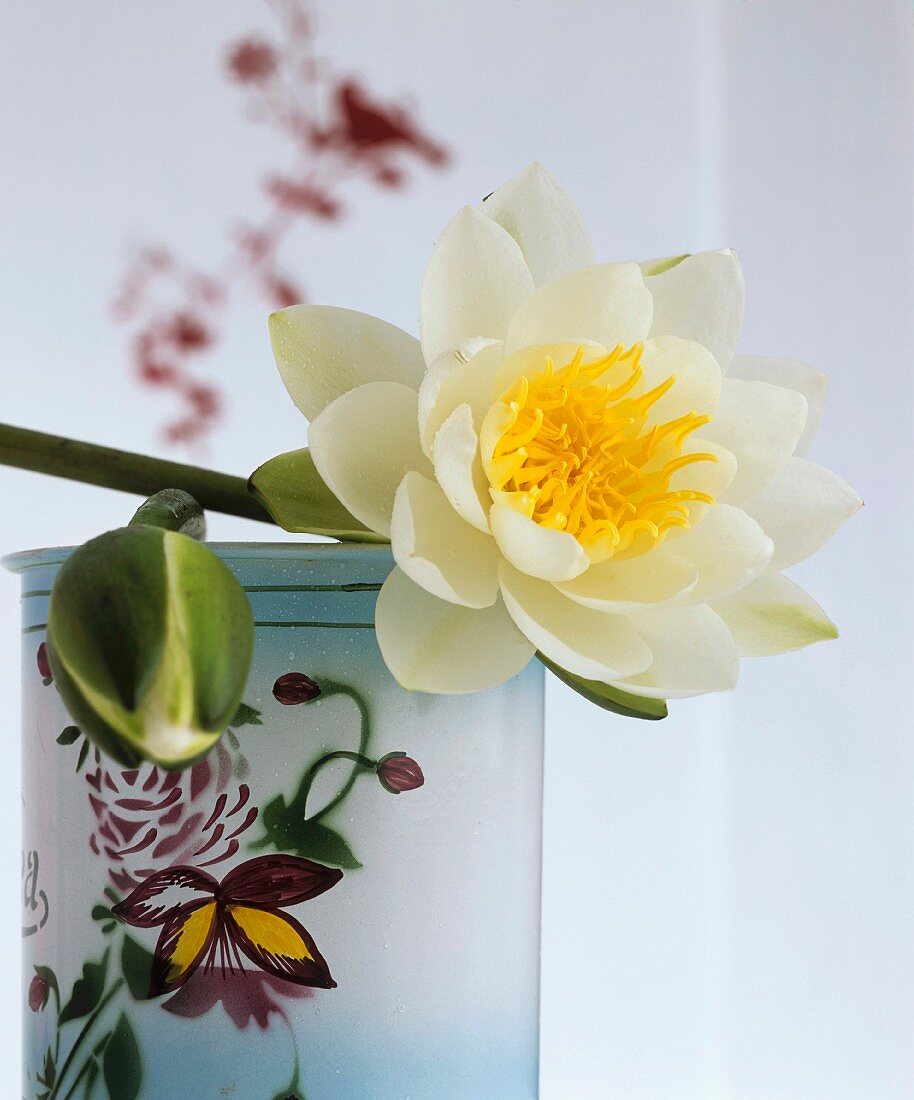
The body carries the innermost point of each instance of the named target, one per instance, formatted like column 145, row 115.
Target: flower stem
column 125, row 471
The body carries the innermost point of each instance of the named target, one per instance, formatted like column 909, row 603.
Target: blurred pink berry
column 252, row 61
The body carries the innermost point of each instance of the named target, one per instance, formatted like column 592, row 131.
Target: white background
column 729, row 894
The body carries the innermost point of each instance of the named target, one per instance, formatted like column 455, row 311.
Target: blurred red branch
column 338, row 132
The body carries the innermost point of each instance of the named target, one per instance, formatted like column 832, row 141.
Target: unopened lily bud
column 38, row 994
column 399, row 772
column 293, row 688
column 150, row 639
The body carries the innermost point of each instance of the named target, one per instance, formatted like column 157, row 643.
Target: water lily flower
column 571, row 460
column 205, row 921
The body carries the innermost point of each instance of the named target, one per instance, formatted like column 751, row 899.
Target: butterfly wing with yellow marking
column 183, row 943
column 277, row 944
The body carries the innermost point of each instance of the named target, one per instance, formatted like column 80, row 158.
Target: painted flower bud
column 38, row 994
column 44, row 665
column 399, row 772
column 150, row 639
column 293, row 688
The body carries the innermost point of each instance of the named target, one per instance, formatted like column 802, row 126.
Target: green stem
column 102, row 1005
column 126, row 471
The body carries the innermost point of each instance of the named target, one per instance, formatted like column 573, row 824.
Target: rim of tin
column 231, row 551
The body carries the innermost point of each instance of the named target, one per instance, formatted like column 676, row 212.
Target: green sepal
column 610, row 698
column 173, row 510
column 297, row 498
column 657, row 267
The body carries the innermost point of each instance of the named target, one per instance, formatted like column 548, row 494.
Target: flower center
column 579, row 453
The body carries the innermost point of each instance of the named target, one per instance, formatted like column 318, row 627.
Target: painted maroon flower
column 252, row 61
column 147, row 819
column 44, row 665
column 38, row 994
column 399, row 772
column 293, row 688
column 207, row 922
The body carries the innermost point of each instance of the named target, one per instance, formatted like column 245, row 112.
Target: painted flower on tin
column 205, row 922
column 571, row 462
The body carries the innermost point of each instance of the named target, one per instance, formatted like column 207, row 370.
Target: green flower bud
column 150, row 639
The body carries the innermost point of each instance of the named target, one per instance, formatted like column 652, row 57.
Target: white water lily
column 570, row 461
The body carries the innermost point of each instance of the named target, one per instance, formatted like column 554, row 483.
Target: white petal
column 728, row 549
column 701, row 299
column 541, row 216
column 637, row 584
column 432, row 645
column 462, row 375
column 698, row 378
column 793, row 375
column 588, row 643
column 438, row 550
column 458, row 468
column 323, row 352
column 607, row 304
column 761, row 425
column 363, row 444
column 693, row 654
column 539, row 551
column 801, row 509
column 474, row 283
column 774, row 615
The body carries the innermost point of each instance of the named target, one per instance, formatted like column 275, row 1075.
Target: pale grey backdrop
column 728, row 896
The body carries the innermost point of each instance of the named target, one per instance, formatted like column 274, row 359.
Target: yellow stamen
column 577, row 454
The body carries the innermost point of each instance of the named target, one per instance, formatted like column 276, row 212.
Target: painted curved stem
column 359, row 758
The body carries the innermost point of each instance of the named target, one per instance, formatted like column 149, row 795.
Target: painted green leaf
column 83, row 755
column 121, row 1064
column 87, row 991
column 50, row 1070
column 68, row 736
column 136, row 966
column 292, row 491
column 287, row 832
column 610, row 698
column 101, row 912
column 246, row 716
